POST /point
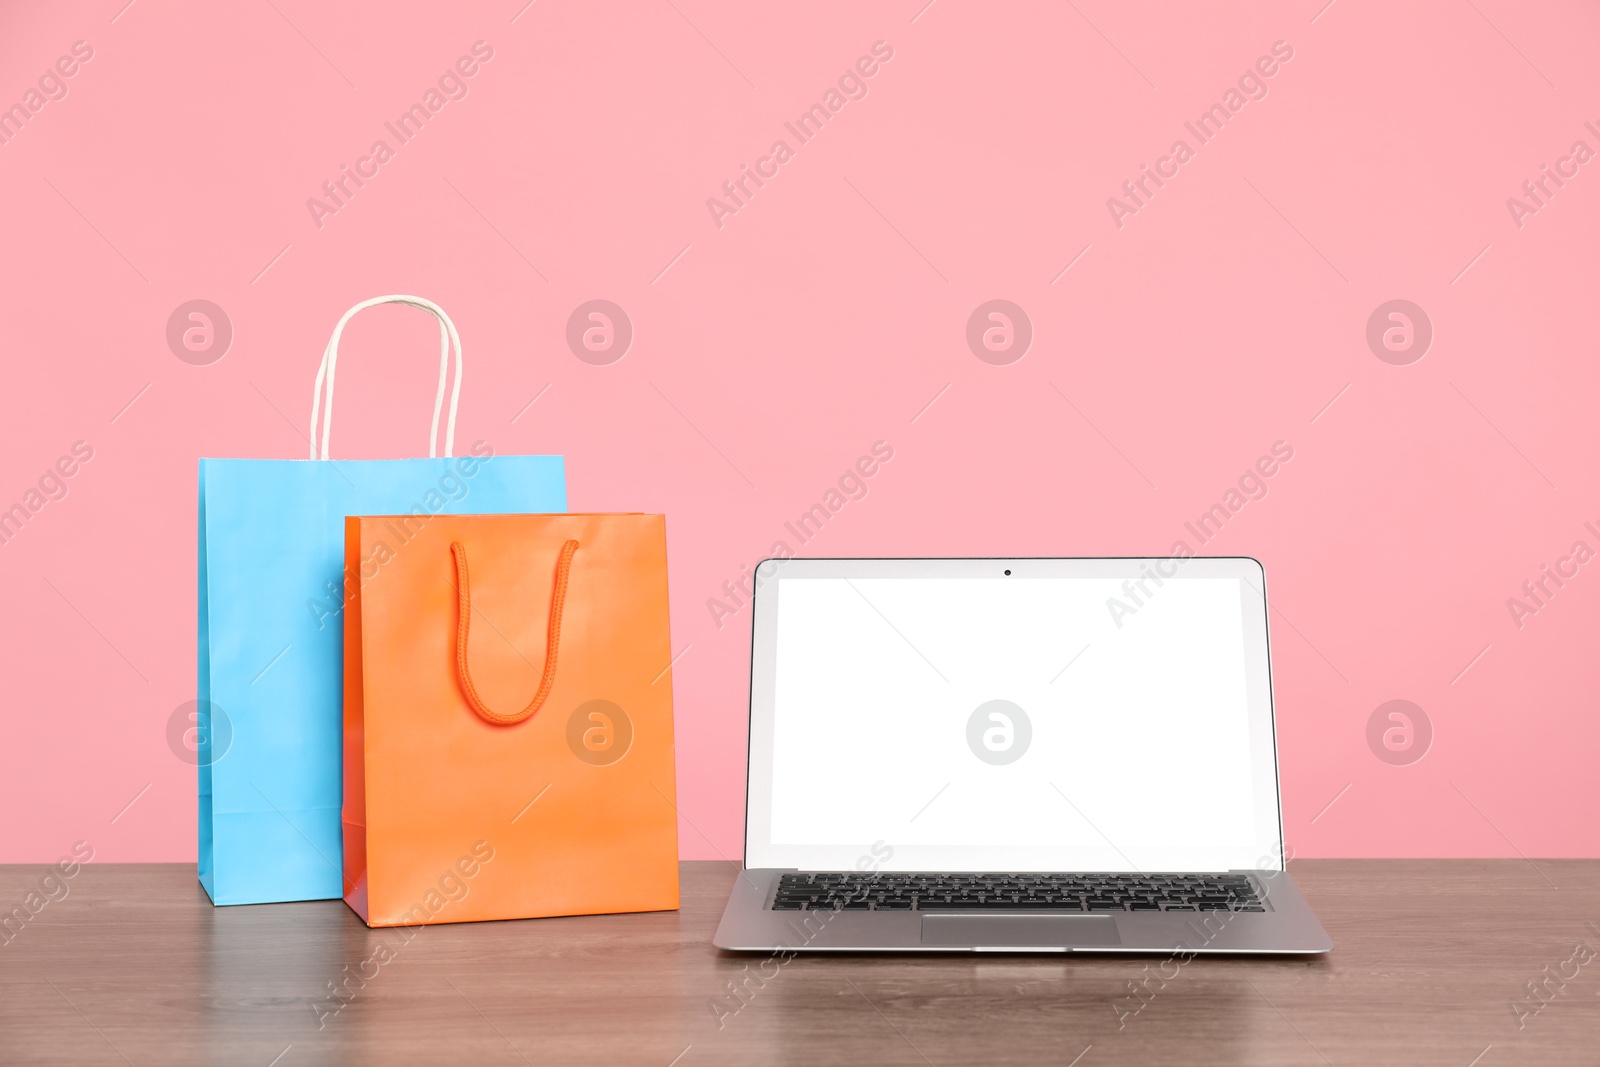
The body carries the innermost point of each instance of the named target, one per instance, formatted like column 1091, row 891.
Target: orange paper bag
column 507, row 718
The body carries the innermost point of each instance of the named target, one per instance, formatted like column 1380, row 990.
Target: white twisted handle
column 448, row 338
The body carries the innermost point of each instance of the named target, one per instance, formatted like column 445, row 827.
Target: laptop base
column 749, row 924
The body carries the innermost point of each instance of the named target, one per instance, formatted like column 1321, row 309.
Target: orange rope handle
column 464, row 608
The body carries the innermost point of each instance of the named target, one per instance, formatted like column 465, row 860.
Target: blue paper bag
column 272, row 593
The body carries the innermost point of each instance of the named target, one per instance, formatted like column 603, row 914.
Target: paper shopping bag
column 272, row 600
column 508, row 719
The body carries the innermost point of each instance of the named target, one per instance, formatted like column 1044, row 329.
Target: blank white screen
column 1141, row 749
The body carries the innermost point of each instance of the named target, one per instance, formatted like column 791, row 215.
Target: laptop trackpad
column 1019, row 931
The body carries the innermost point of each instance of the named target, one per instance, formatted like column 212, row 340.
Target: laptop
column 1013, row 755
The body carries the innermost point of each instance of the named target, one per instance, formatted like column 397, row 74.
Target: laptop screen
column 1095, row 715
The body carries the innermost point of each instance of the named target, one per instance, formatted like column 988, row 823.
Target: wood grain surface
column 1435, row 962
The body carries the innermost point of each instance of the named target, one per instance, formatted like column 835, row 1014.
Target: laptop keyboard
column 1015, row 892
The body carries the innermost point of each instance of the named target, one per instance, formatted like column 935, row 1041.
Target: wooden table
column 134, row 965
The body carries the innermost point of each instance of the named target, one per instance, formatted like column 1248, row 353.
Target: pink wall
column 1228, row 312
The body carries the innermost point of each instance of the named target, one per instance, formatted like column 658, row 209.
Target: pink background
column 825, row 315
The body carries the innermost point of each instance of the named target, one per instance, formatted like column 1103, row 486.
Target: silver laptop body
column 1013, row 755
